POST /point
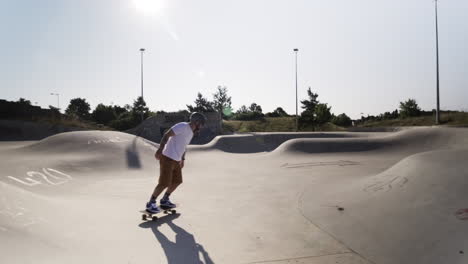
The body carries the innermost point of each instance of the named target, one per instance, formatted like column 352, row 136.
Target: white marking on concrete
column 30, row 183
column 61, row 180
column 41, row 175
column 107, row 140
column 50, row 176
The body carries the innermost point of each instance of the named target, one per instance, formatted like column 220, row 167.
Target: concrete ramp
column 414, row 212
column 416, row 139
column 321, row 198
column 266, row 142
column 101, row 149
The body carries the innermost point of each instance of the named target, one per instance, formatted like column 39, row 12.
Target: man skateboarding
column 171, row 156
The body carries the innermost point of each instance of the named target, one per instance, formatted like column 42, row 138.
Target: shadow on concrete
column 185, row 250
column 133, row 158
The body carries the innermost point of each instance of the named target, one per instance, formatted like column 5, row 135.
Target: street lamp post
column 58, row 100
column 142, row 50
column 437, row 62
column 297, row 117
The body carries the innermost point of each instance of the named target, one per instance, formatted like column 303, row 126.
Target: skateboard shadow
column 185, row 250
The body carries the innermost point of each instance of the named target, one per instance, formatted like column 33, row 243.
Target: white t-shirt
column 176, row 145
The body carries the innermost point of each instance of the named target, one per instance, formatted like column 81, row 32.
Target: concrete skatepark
column 347, row 197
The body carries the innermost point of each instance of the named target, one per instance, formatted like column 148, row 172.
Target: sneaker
column 167, row 203
column 152, row 208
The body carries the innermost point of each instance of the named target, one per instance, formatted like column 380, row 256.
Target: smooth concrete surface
column 394, row 197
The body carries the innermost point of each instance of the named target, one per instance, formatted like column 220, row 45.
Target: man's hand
column 181, row 164
column 158, row 154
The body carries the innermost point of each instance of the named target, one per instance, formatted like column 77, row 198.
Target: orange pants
column 170, row 172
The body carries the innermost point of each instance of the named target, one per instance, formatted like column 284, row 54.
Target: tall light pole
column 58, row 100
column 142, row 50
column 437, row 62
column 297, row 117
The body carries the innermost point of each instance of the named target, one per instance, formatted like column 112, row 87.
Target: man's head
column 197, row 121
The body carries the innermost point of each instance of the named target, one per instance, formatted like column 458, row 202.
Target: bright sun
column 148, row 7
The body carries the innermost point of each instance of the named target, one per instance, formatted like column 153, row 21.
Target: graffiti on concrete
column 107, row 140
column 387, row 184
column 48, row 176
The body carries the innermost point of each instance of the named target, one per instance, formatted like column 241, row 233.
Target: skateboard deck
column 152, row 216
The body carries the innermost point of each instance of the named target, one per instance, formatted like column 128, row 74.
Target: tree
column 125, row 121
column 222, row 102
column 242, row 110
column 342, row 120
column 120, row 110
column 201, row 105
column 23, row 101
column 53, row 108
column 255, row 108
column 139, row 108
column 54, row 112
column 128, row 108
column 78, row 108
column 129, row 116
column 322, row 114
column 386, row 116
column 278, row 112
column 309, row 105
column 103, row 114
column 254, row 112
column 409, row 108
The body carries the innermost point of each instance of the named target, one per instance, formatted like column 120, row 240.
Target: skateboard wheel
column 174, row 211
column 143, row 217
column 154, row 218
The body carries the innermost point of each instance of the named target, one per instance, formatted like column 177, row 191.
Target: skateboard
column 152, row 216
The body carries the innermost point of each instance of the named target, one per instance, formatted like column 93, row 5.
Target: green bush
column 342, row 120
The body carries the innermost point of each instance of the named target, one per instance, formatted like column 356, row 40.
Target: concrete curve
column 318, row 198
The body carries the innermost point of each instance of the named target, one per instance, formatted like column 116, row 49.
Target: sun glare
column 148, row 7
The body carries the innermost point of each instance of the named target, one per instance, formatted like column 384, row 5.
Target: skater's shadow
column 185, row 250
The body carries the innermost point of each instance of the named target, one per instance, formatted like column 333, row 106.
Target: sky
column 362, row 57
